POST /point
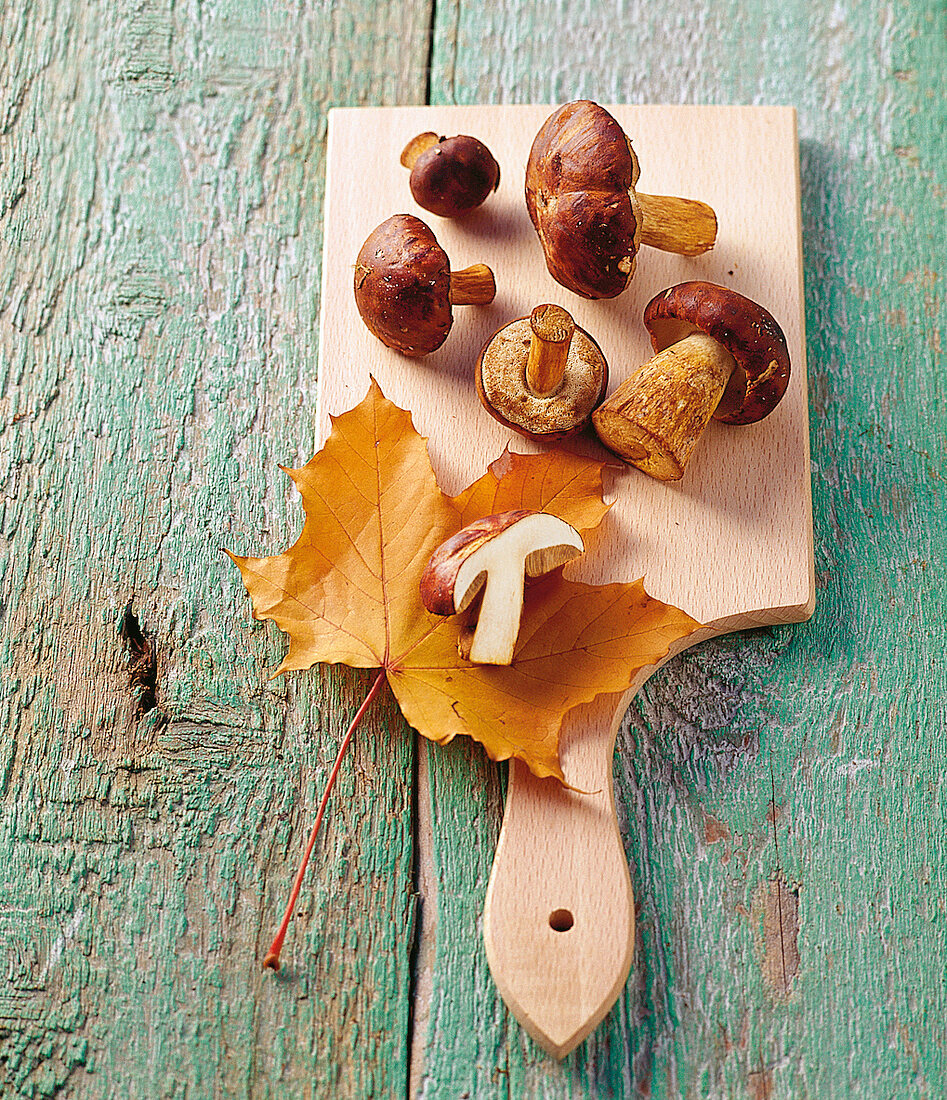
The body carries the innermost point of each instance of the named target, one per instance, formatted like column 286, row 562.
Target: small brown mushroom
column 404, row 287
column 450, row 176
column 496, row 554
column 719, row 354
column 580, row 192
column 542, row 375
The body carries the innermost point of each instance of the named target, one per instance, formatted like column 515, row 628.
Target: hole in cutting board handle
column 561, row 920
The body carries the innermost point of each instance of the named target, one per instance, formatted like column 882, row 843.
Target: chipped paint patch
column 776, row 908
column 715, row 830
column 57, row 948
column 759, row 1084
column 856, row 765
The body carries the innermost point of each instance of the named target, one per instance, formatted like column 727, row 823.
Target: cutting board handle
column 559, row 918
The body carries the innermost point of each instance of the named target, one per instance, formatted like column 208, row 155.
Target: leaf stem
column 272, row 956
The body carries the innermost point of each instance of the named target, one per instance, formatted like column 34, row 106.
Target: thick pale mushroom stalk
column 472, row 286
column 494, row 555
column 418, row 145
column 551, row 331
column 687, row 227
column 655, row 418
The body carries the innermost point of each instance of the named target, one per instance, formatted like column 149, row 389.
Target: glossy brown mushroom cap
column 454, row 176
column 748, row 331
column 402, row 286
column 580, row 181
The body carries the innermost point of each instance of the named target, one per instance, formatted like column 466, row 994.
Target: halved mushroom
column 450, row 176
column 494, row 555
column 580, row 192
column 542, row 375
column 404, row 287
column 719, row 354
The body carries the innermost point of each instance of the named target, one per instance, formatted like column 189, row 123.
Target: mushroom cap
column 505, row 394
column 402, row 286
column 454, row 176
column 580, row 181
column 748, row 331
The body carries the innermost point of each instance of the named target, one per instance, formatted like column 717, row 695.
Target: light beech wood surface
column 731, row 543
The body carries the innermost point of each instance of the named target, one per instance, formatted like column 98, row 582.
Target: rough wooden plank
column 160, row 208
column 783, row 790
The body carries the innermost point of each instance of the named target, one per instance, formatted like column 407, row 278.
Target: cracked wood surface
column 161, row 214
column 781, row 792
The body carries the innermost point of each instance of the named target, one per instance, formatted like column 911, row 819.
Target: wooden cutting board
column 731, row 544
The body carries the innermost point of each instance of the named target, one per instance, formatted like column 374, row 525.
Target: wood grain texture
column 780, row 791
column 160, row 204
column 731, row 544
column 745, row 498
column 160, row 225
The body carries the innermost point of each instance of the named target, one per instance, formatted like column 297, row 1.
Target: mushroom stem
column 416, row 146
column 685, row 226
column 551, row 330
column 654, row 419
column 474, row 286
column 498, row 622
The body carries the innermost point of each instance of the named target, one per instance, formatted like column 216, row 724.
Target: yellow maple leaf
column 348, row 590
column 564, row 484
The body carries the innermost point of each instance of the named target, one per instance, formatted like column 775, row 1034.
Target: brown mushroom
column 719, row 354
column 404, row 287
column 450, row 176
column 542, row 375
column 580, row 192
column 494, row 555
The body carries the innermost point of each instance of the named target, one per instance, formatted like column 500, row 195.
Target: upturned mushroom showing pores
column 718, row 355
column 542, row 375
column 580, row 193
column 404, row 287
column 450, row 176
column 493, row 556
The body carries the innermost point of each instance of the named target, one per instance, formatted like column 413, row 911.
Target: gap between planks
column 426, row 918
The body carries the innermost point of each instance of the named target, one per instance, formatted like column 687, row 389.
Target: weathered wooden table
column 782, row 791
